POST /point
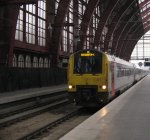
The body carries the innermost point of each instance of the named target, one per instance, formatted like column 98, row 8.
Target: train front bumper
column 87, row 98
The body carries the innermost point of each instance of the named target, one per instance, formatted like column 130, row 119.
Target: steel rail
column 49, row 126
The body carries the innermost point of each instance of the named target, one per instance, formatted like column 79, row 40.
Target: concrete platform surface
column 125, row 118
column 28, row 93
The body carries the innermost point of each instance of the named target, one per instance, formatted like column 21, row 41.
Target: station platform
column 125, row 118
column 8, row 97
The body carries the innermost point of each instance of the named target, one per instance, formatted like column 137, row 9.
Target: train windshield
column 88, row 62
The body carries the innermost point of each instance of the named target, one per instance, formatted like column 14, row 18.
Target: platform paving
column 125, row 118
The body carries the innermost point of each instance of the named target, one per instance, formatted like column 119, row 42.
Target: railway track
column 14, row 116
column 20, row 110
column 49, row 126
column 37, row 126
column 61, row 126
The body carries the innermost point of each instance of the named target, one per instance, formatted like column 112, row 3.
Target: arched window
column 28, row 62
column 14, row 61
column 41, row 62
column 35, row 62
column 45, row 63
column 21, row 61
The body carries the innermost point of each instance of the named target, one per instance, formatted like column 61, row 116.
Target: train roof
column 115, row 59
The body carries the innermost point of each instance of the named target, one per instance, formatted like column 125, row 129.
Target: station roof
column 145, row 13
column 123, row 22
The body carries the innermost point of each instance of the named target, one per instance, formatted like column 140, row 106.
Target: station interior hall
column 42, row 42
column 36, row 34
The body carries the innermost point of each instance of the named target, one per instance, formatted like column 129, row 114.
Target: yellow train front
column 88, row 78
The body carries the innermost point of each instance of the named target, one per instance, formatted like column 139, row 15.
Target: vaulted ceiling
column 127, row 22
column 124, row 21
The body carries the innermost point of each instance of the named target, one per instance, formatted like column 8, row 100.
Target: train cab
column 87, row 77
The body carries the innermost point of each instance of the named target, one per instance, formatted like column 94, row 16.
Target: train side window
column 122, row 72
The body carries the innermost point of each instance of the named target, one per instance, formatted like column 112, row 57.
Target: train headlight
column 104, row 87
column 70, row 86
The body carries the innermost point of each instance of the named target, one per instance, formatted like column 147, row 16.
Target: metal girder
column 130, row 49
column 118, row 33
column 116, row 21
column 147, row 28
column 128, row 54
column 147, row 24
column 142, row 31
column 57, row 32
column 127, row 32
column 119, row 45
column 103, row 20
column 17, row 2
column 137, row 28
column 90, row 8
column 142, row 4
column 124, row 35
column 7, row 36
column 146, row 11
column 137, row 32
column 146, row 19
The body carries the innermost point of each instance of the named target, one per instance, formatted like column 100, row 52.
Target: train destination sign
column 87, row 54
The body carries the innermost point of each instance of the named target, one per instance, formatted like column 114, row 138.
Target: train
column 95, row 78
